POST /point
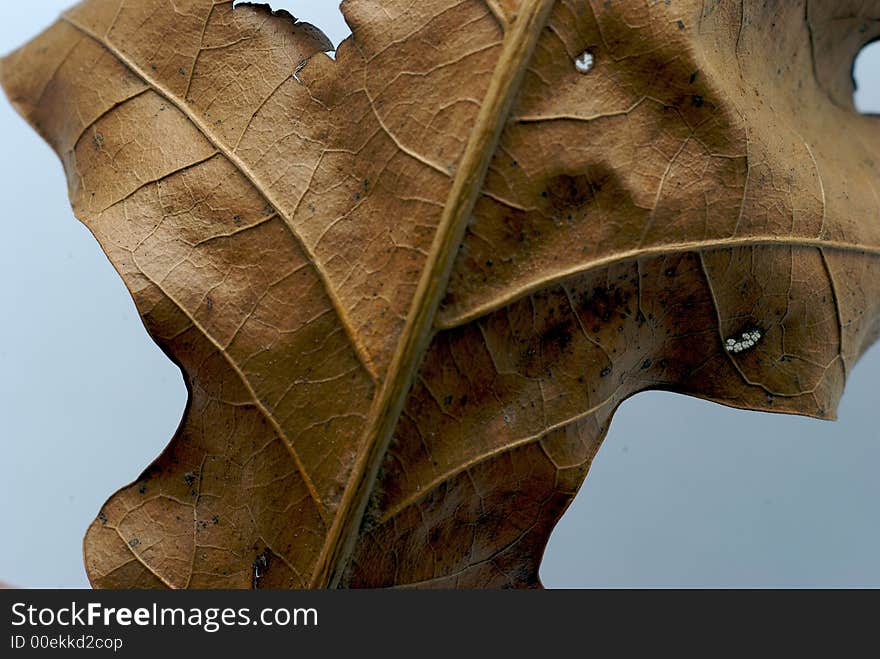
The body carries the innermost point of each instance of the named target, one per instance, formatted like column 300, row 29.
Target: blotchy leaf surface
column 282, row 221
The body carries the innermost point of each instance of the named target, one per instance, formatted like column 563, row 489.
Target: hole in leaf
column 866, row 75
column 326, row 16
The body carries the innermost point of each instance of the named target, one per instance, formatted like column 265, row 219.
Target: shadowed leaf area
column 408, row 288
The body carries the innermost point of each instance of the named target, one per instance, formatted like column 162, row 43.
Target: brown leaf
column 408, row 288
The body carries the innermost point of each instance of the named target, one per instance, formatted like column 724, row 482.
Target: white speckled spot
column 584, row 62
column 748, row 340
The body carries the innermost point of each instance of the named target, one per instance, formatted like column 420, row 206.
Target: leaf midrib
column 518, row 47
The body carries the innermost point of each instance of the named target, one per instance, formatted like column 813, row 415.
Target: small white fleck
column 748, row 340
column 584, row 62
column 299, row 68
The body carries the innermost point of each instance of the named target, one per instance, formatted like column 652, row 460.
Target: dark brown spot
column 559, row 335
column 260, row 567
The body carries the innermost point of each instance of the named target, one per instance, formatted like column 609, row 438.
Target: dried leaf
column 408, row 288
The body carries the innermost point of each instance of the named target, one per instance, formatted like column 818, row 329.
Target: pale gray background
column 683, row 493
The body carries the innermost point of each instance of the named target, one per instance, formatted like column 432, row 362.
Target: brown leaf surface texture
column 408, row 288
